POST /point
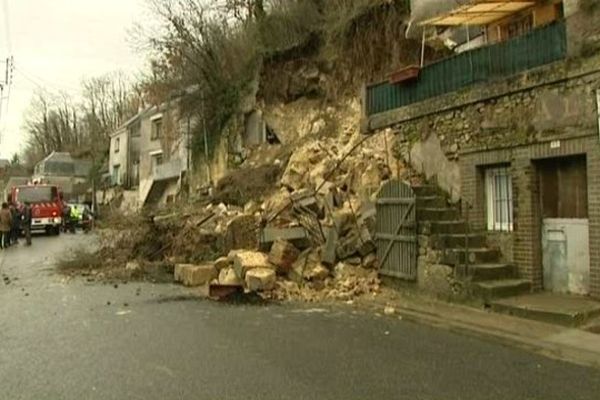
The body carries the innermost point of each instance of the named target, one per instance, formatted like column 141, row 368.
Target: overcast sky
column 56, row 44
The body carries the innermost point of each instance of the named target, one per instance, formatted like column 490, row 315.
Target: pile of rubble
column 285, row 273
column 314, row 239
column 305, row 233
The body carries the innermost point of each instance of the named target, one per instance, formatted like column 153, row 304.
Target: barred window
column 498, row 183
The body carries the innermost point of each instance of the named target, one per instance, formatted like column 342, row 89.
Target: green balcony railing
column 539, row 47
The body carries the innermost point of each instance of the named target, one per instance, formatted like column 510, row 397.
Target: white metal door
column 566, row 258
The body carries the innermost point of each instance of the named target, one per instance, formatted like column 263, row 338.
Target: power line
column 45, row 85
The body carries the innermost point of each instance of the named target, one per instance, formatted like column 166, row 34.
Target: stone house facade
column 163, row 153
column 519, row 154
column 124, row 153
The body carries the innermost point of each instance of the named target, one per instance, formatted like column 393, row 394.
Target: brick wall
column 527, row 219
column 518, row 127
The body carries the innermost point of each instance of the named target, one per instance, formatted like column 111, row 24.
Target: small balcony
column 169, row 170
column 539, row 47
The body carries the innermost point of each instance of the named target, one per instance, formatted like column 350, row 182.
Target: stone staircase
column 487, row 277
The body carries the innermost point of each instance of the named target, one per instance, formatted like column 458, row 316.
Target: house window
column 135, row 130
column 156, row 129
column 116, row 175
column 157, row 159
column 499, row 195
column 117, row 144
column 518, row 27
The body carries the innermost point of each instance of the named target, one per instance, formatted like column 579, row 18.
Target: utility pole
column 6, row 83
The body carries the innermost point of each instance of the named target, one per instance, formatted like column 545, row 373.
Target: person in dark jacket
column 5, row 222
column 66, row 217
column 26, row 223
column 15, row 227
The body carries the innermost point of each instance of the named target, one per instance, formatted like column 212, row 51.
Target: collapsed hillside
column 308, row 195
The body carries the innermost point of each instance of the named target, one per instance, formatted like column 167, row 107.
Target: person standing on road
column 74, row 219
column 66, row 217
column 15, row 227
column 26, row 222
column 5, row 224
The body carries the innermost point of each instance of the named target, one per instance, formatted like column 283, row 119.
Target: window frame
column 154, row 157
column 117, row 144
column 156, row 129
column 518, row 26
column 116, row 175
column 499, row 204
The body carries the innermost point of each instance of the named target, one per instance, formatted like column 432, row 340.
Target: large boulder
column 242, row 233
column 221, row 263
column 245, row 261
column 306, row 262
column 195, row 275
column 260, row 279
column 228, row 277
column 283, row 255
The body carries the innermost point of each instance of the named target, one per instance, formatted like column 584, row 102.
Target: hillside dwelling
column 72, row 175
column 164, row 158
column 509, row 132
column 124, row 153
column 485, row 22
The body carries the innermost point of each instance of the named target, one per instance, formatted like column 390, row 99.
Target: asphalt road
column 62, row 340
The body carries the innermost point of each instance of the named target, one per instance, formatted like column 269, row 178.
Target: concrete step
column 442, row 227
column 488, row 272
column 554, row 308
column 482, row 255
column 445, row 241
column 438, row 214
column 431, row 202
column 495, row 289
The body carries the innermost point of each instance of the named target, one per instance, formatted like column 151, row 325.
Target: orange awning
column 481, row 12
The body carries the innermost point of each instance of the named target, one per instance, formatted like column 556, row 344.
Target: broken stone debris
column 244, row 261
column 260, row 279
column 133, row 267
column 283, row 255
column 222, row 263
column 195, row 275
column 228, row 277
column 316, row 231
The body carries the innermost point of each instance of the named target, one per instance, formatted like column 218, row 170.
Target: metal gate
column 396, row 234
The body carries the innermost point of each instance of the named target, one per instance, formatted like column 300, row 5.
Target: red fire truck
column 46, row 203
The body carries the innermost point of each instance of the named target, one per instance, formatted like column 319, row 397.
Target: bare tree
column 55, row 122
